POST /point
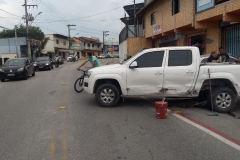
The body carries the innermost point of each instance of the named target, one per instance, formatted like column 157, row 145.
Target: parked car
column 101, row 56
column 204, row 58
column 17, row 68
column 43, row 63
column 170, row 72
column 111, row 55
column 116, row 55
column 107, row 56
column 71, row 58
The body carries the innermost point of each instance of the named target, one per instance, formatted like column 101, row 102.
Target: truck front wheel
column 107, row 95
column 224, row 99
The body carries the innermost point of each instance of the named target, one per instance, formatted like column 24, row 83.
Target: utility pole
column 69, row 35
column 16, row 40
column 104, row 35
column 135, row 19
column 28, row 17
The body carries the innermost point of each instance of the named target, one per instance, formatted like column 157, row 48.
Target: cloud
column 71, row 9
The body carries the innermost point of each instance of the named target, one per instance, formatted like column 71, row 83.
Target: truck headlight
column 88, row 74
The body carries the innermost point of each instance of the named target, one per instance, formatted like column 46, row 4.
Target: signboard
column 172, row 38
column 157, row 29
column 111, row 48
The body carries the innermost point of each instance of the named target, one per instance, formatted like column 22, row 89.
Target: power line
column 56, row 9
column 7, row 21
column 60, row 17
column 10, row 13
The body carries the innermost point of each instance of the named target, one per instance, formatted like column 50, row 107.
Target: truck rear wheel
column 224, row 99
column 107, row 95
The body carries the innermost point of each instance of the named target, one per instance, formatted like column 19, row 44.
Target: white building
column 59, row 44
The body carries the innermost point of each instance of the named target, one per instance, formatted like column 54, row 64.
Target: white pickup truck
column 166, row 72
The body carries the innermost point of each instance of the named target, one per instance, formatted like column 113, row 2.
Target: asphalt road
column 42, row 118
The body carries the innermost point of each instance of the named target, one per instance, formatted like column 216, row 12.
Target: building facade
column 59, row 44
column 90, row 44
column 207, row 24
column 10, row 49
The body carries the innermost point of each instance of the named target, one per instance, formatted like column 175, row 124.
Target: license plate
column 11, row 74
column 41, row 67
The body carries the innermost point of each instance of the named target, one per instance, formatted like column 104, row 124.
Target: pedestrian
column 214, row 57
column 92, row 59
column 224, row 56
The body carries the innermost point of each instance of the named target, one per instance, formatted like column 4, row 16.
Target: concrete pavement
column 33, row 126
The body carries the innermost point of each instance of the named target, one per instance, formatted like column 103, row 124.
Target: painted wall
column 8, row 45
column 122, row 51
column 164, row 17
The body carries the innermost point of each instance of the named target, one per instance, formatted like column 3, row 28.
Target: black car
column 43, row 63
column 17, row 68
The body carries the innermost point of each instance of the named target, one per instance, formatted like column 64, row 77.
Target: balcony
column 125, row 34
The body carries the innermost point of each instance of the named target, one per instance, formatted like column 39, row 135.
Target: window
column 175, row 6
column 88, row 44
column 151, row 59
column 57, row 41
column 98, row 46
column 92, row 45
column 153, row 18
column 180, row 58
column 220, row 1
column 84, row 44
column 64, row 42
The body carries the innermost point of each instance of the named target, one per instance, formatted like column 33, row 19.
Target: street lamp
column 76, row 34
column 36, row 17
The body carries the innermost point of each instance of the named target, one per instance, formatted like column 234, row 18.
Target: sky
column 91, row 17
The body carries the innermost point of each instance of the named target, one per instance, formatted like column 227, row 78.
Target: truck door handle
column 189, row 72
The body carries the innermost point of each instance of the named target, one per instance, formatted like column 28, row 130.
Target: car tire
column 26, row 75
column 107, row 95
column 224, row 99
column 33, row 73
column 2, row 80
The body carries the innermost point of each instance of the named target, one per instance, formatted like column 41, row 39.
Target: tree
column 43, row 44
column 34, row 33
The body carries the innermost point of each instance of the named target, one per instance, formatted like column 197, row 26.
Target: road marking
column 219, row 135
column 63, row 84
column 52, row 148
column 62, row 108
column 207, row 129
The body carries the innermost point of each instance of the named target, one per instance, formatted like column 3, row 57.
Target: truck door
column 147, row 76
column 180, row 72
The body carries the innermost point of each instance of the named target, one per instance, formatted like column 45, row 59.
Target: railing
column 124, row 34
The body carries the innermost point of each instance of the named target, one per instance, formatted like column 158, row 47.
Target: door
column 147, row 77
column 180, row 72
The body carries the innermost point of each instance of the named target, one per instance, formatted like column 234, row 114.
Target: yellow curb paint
column 62, row 108
column 177, row 112
column 63, row 84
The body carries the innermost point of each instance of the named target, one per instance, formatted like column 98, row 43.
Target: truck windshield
column 131, row 58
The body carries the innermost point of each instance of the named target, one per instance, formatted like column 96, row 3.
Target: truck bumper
column 88, row 86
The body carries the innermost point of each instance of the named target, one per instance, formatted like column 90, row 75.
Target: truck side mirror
column 134, row 65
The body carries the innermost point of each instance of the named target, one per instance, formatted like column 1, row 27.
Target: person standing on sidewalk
column 92, row 59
